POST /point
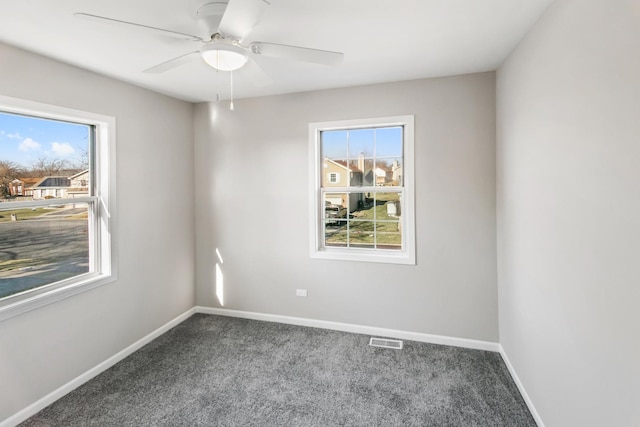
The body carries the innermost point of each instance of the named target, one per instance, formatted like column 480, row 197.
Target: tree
column 54, row 167
column 8, row 172
column 46, row 167
column 82, row 163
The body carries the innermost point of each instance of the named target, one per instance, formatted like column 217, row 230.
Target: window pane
column 389, row 142
column 389, row 172
column 335, row 234
column 334, row 144
column 388, row 206
column 388, row 235
column 335, row 173
column 361, row 172
column 361, row 142
column 39, row 246
column 335, row 203
column 362, row 234
column 43, row 159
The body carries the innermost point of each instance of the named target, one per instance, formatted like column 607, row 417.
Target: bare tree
column 82, row 163
column 48, row 167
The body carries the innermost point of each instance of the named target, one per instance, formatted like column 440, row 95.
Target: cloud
column 14, row 135
column 62, row 149
column 29, row 144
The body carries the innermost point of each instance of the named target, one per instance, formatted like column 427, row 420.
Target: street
column 38, row 252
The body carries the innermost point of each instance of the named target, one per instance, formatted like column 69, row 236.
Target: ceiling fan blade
column 172, row 63
column 256, row 74
column 131, row 25
column 241, row 16
column 324, row 57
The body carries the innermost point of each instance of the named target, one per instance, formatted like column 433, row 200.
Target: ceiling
column 382, row 41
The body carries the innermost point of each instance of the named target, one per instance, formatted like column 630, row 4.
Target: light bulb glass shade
column 224, row 57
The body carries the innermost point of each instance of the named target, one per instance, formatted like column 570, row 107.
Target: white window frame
column 333, row 174
column 102, row 209
column 317, row 249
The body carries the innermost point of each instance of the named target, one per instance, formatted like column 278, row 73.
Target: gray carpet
column 220, row 371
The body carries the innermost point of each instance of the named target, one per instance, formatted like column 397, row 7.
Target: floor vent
column 386, row 343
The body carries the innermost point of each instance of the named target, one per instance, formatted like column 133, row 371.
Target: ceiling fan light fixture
column 224, row 57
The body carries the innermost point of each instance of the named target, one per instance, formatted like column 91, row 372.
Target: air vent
column 386, row 343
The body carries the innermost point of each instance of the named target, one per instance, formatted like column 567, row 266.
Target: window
column 56, row 236
column 369, row 215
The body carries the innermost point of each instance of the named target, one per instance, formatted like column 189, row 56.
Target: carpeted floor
column 221, row 371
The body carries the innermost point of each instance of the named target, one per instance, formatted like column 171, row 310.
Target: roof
column 79, row 173
column 343, row 164
column 52, row 181
column 27, row 181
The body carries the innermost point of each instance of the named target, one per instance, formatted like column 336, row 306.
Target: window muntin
column 369, row 215
column 58, row 229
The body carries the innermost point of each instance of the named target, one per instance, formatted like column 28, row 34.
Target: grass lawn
column 361, row 233
column 379, row 211
column 31, row 213
column 27, row 213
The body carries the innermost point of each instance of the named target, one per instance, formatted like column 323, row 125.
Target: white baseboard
column 523, row 392
column 37, row 406
column 357, row 329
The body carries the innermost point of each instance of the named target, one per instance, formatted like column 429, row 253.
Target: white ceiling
column 383, row 41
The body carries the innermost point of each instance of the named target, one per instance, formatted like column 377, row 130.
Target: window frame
column 316, row 231
column 101, row 205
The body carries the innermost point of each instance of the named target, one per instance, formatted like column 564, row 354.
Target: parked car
column 334, row 213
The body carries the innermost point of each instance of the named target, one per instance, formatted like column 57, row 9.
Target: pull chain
column 231, row 83
column 217, row 86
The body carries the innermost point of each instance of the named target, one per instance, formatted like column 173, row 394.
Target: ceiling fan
column 228, row 23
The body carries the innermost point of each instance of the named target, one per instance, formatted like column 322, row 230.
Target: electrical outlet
column 301, row 292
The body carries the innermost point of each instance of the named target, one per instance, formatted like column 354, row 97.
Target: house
column 80, row 180
column 21, row 187
column 79, row 184
column 526, row 202
column 50, row 187
column 337, row 173
column 58, row 187
column 396, row 172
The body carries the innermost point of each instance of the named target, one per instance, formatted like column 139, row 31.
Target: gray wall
column 43, row 349
column 252, row 200
column 569, row 212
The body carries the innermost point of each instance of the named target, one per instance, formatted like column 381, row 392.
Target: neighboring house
column 388, row 175
column 20, row 187
column 51, row 187
column 337, row 173
column 79, row 184
column 381, row 176
column 396, row 173
column 61, row 186
column 80, row 180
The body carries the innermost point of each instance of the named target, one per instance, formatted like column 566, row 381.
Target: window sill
column 387, row 257
column 24, row 303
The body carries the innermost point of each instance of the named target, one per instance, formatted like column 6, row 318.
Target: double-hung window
column 56, row 203
column 362, row 205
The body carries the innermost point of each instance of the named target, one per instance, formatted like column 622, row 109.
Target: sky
column 343, row 144
column 24, row 140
